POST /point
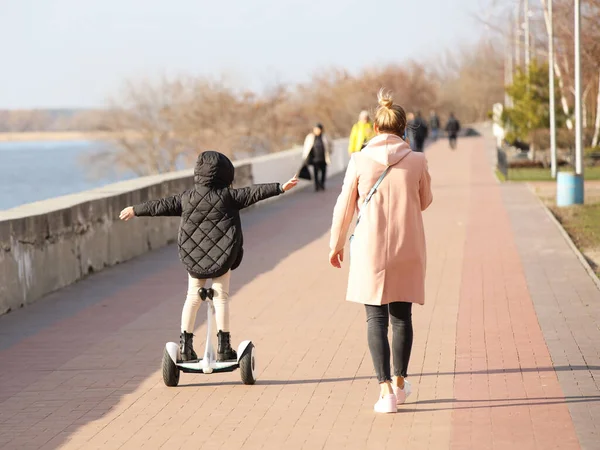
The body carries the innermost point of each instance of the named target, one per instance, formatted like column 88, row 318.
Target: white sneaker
column 386, row 404
column 402, row 394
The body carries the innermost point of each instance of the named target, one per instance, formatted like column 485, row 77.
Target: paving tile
column 492, row 367
column 557, row 282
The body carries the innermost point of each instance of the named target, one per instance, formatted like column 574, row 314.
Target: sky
column 78, row 53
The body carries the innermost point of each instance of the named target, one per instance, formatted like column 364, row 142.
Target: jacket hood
column 213, row 169
column 387, row 149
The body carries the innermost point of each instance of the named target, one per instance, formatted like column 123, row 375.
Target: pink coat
column 388, row 257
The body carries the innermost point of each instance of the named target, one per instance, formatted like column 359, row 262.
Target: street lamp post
column 518, row 34
column 551, row 85
column 578, row 115
column 527, row 36
column 569, row 186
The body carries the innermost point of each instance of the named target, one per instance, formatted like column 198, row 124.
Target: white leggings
column 220, row 301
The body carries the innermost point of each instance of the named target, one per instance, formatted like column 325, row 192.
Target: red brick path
column 509, row 394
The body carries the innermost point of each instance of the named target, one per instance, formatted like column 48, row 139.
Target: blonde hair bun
column 385, row 98
column 389, row 118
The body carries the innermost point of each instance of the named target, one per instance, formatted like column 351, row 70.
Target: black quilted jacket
column 210, row 233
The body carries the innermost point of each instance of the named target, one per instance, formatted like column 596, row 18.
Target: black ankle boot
column 224, row 351
column 186, row 347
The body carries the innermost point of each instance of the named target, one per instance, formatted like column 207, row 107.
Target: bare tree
column 158, row 127
column 471, row 80
column 146, row 130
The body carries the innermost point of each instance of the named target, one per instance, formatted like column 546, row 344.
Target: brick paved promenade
column 506, row 352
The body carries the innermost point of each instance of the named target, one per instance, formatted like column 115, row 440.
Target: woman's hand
column 290, row 184
column 127, row 213
column 336, row 258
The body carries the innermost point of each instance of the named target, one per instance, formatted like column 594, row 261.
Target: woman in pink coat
column 387, row 266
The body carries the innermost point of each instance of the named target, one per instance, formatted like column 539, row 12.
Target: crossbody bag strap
column 371, row 192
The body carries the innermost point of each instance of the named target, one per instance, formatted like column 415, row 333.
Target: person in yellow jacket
column 362, row 132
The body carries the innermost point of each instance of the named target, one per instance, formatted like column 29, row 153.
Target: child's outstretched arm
column 250, row 195
column 168, row 206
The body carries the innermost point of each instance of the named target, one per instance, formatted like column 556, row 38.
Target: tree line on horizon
column 156, row 125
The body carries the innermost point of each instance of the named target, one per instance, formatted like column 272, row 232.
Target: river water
column 33, row 171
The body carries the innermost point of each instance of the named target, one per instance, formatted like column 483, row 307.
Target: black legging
column 378, row 318
column 320, row 169
column 419, row 144
column 452, row 139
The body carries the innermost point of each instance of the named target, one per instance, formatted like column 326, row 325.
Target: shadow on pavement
column 497, row 403
column 70, row 358
column 517, row 370
column 260, row 382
